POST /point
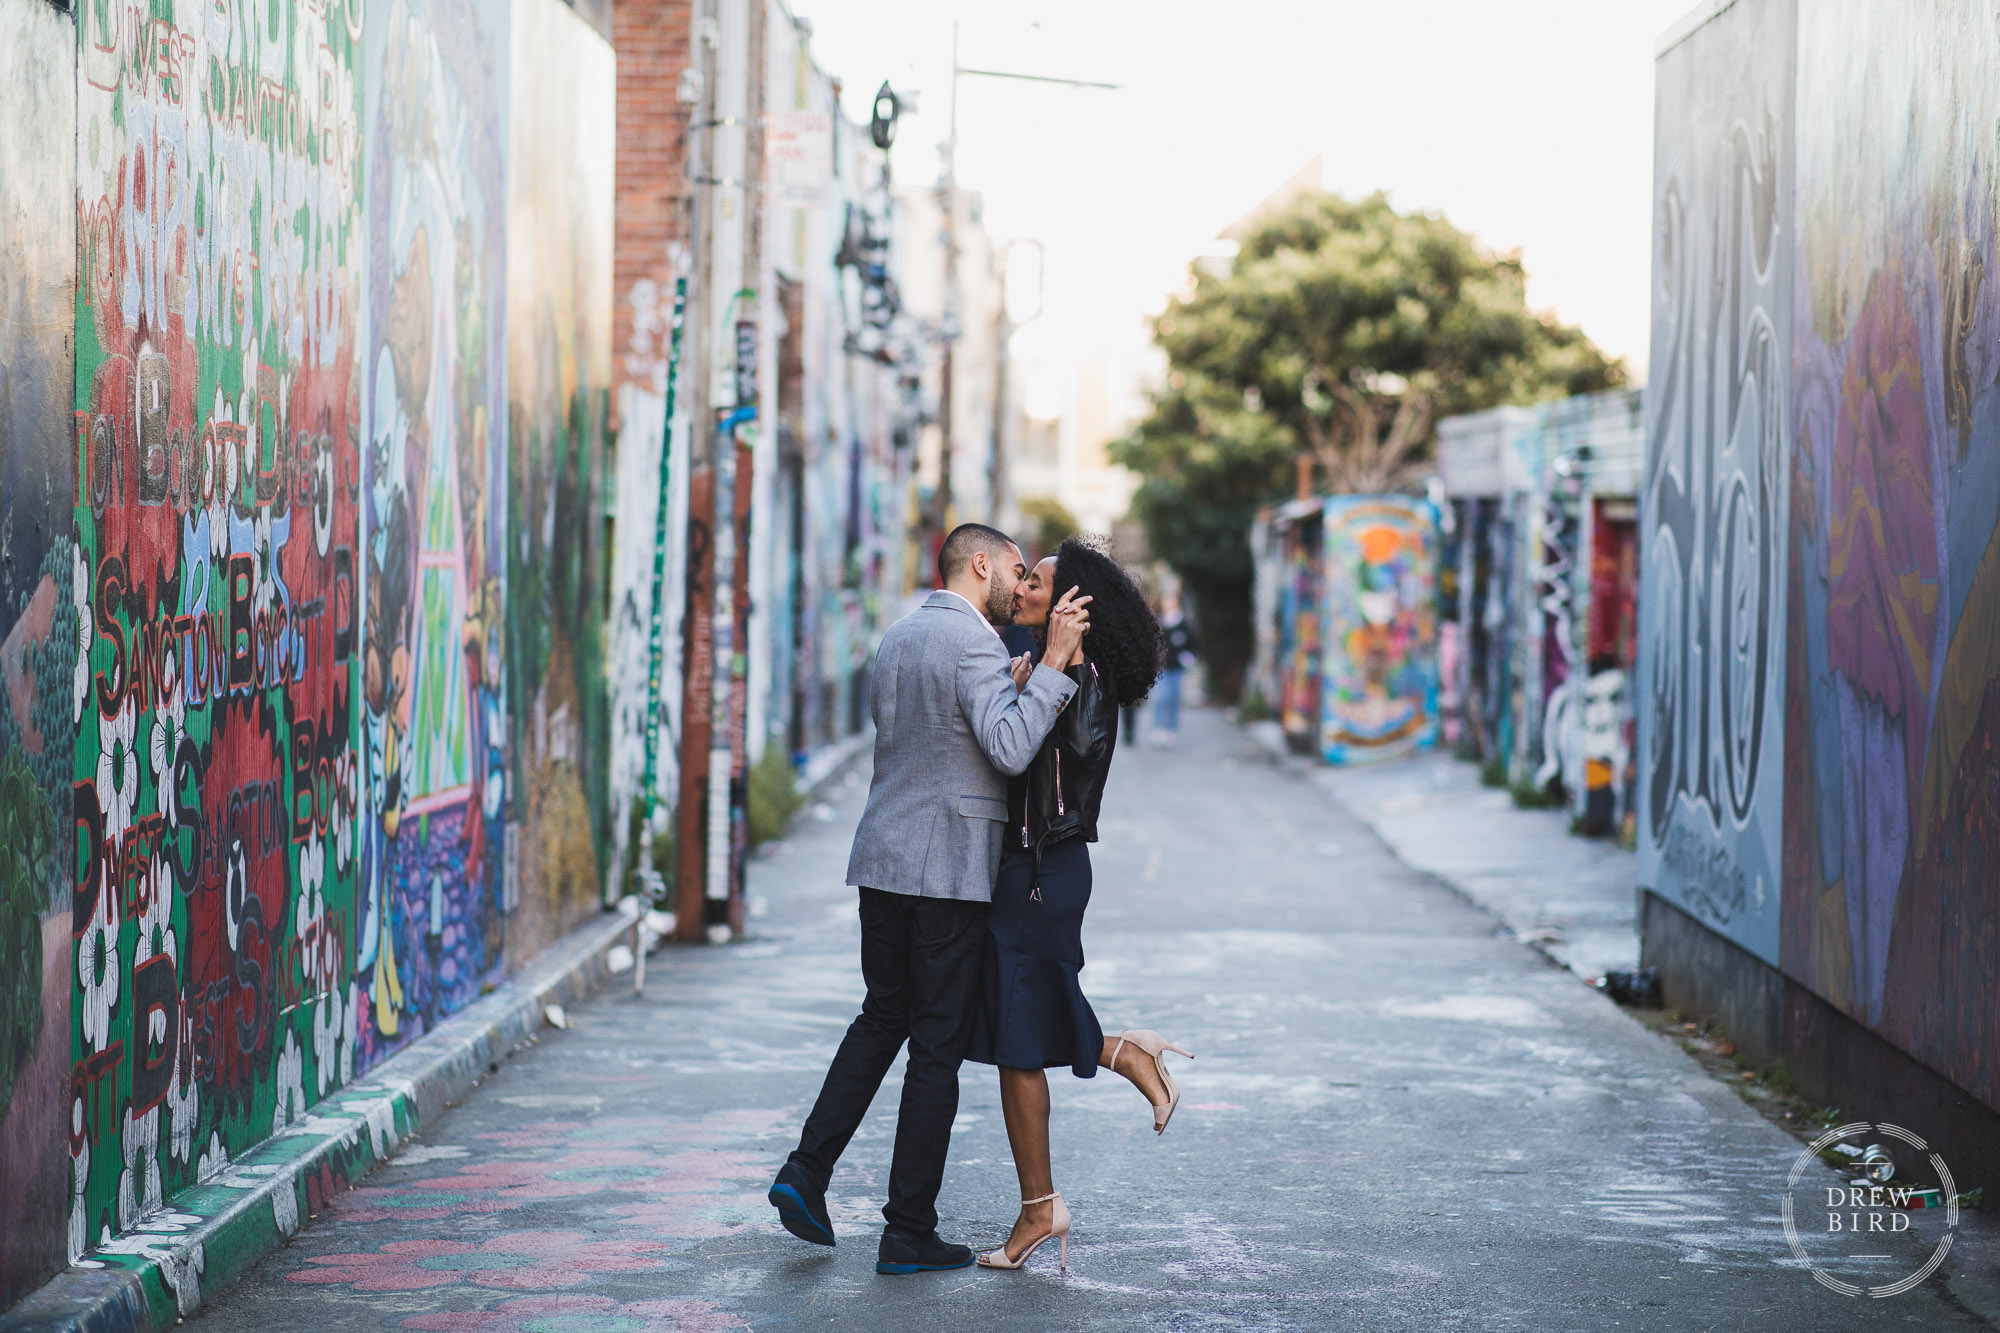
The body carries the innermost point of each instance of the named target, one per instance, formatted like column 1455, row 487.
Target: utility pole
column 948, row 203
column 712, row 825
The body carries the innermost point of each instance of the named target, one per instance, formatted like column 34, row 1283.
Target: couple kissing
column 973, row 869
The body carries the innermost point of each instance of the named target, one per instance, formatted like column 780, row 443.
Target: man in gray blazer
column 950, row 727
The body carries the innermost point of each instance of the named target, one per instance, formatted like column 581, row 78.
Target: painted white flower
column 86, row 631
column 156, row 931
column 265, row 546
column 183, row 1111
column 118, row 770
column 322, row 508
column 168, row 732
column 328, row 1026
column 79, row 1177
column 97, row 965
column 179, row 1263
column 309, row 911
column 139, row 1183
column 214, row 1159
column 291, row 1106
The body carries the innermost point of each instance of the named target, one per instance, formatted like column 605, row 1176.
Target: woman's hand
column 1069, row 621
column 1020, row 669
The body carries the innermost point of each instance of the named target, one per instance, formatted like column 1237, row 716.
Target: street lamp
column 882, row 118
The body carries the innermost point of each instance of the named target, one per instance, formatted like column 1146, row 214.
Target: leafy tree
column 1321, row 360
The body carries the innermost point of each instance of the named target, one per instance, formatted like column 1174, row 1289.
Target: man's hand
column 1068, row 621
column 1020, row 669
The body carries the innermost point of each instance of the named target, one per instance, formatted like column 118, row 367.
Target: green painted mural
column 304, row 369
column 218, row 413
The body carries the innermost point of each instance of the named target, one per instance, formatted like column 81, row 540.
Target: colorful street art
column 1607, row 727
column 1712, row 594
column 1550, row 723
column 1574, row 727
column 1892, row 809
column 1378, row 627
column 298, row 624
column 38, row 635
column 217, row 423
column 1299, row 647
column 430, row 583
column 559, row 201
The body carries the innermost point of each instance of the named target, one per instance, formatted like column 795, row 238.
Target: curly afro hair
column 1124, row 638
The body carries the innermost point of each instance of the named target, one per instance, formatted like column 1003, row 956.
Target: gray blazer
column 949, row 729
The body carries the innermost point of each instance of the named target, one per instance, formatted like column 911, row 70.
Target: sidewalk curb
column 1567, row 948
column 160, row 1272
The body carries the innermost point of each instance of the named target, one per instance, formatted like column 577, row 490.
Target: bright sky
column 1528, row 124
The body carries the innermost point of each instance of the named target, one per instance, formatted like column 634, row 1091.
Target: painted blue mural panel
column 1713, row 513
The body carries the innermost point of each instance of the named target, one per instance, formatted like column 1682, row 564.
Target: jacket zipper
column 1060, row 808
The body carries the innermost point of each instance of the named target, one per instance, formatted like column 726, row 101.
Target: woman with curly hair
column 1033, row 1015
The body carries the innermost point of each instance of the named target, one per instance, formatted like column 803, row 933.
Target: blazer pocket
column 983, row 807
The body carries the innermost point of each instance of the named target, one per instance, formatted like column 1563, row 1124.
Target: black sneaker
column 801, row 1205
column 903, row 1253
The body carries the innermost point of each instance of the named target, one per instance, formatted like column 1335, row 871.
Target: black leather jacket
column 1057, row 797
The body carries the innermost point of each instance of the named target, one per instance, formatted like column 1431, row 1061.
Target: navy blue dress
column 1032, row 1013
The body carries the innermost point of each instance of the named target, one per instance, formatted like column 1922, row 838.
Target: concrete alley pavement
column 1400, row 1118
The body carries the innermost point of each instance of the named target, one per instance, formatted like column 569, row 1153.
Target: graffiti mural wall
column 39, row 580
column 1378, row 627
column 217, row 422
column 1605, row 724
column 1299, row 648
column 1548, row 652
column 302, row 716
column 559, row 233
column 1712, row 528
column 1892, row 811
column 430, row 583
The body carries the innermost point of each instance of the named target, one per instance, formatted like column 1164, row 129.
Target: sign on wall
column 798, row 157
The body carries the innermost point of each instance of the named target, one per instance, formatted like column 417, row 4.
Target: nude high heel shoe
column 1153, row 1044
column 1058, row 1227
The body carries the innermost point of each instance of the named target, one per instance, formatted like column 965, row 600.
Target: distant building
column 985, row 413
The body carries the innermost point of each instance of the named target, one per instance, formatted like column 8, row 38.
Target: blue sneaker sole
column 904, row 1270
column 796, row 1218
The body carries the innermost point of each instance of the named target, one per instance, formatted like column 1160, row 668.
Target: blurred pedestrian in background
column 1181, row 647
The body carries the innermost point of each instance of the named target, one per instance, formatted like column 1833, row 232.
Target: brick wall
column 652, row 39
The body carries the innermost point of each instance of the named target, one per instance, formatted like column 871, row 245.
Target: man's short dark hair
column 966, row 538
